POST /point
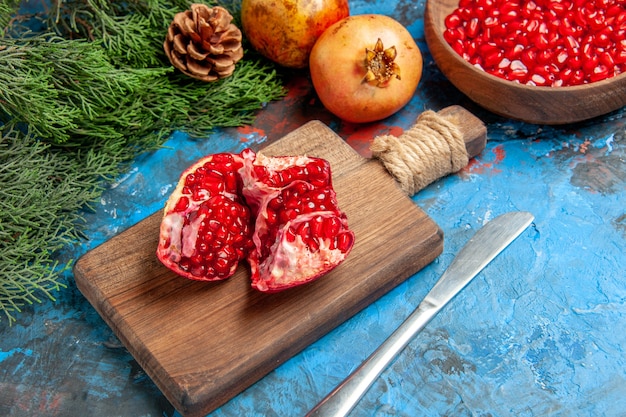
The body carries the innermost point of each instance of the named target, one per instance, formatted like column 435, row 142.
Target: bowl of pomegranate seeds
column 539, row 61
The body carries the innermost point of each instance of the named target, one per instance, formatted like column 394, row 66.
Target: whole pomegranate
column 279, row 213
column 365, row 67
column 286, row 30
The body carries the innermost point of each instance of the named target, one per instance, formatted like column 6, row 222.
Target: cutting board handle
column 437, row 144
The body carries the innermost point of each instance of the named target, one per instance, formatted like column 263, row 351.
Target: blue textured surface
column 539, row 332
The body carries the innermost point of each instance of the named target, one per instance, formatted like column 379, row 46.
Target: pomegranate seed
column 600, row 72
column 182, row 204
column 331, row 227
column 345, row 241
column 453, row 21
column 561, row 58
column 271, row 217
column 471, row 48
column 465, row 13
column 578, row 77
column 472, row 28
column 590, row 64
column 313, row 245
column 509, row 16
column 450, row 36
column 222, row 266
column 519, row 71
column 607, row 59
column 304, row 230
column 458, row 47
column 290, row 235
column 545, row 57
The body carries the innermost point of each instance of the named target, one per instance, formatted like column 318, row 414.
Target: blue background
column 539, row 332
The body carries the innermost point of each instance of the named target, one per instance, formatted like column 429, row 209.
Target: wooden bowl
column 543, row 105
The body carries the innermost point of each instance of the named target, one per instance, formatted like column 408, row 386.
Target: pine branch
column 8, row 9
column 70, row 94
column 40, row 197
column 78, row 102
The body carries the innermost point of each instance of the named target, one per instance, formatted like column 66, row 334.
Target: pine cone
column 203, row 43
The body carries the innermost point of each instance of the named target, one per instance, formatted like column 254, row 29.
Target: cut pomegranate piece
column 279, row 213
column 206, row 230
column 300, row 232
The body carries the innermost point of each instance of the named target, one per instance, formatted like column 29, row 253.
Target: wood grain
column 203, row 343
column 473, row 130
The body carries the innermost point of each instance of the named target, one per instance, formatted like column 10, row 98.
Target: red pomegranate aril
column 566, row 74
column 472, row 28
column 452, row 21
column 478, row 12
column 518, row 72
column 477, row 61
column 557, row 8
column 493, row 60
column 545, row 57
column 331, row 227
column 578, row 77
column 607, row 60
column 575, row 62
column 287, row 215
column 312, row 245
column 459, row 48
column 571, row 43
column 514, row 53
column 222, row 266
column 465, row 13
column 600, row 72
column 561, row 58
column 317, row 225
column 568, row 28
column 182, row 204
column 590, row 64
column 344, row 241
column 528, row 57
column 531, row 26
column 538, row 79
column 509, row 16
column 450, row 36
column 564, row 35
column 541, row 41
column 597, row 22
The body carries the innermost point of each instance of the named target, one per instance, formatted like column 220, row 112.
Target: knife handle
column 340, row 401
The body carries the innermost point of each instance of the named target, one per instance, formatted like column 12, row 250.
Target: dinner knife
column 481, row 249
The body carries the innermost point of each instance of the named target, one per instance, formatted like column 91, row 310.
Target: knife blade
column 479, row 251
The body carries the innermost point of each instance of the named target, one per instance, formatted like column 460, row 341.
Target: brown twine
column 432, row 148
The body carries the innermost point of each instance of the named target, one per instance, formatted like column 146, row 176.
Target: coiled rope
column 432, row 148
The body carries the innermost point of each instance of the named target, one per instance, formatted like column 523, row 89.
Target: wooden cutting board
column 203, row 343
